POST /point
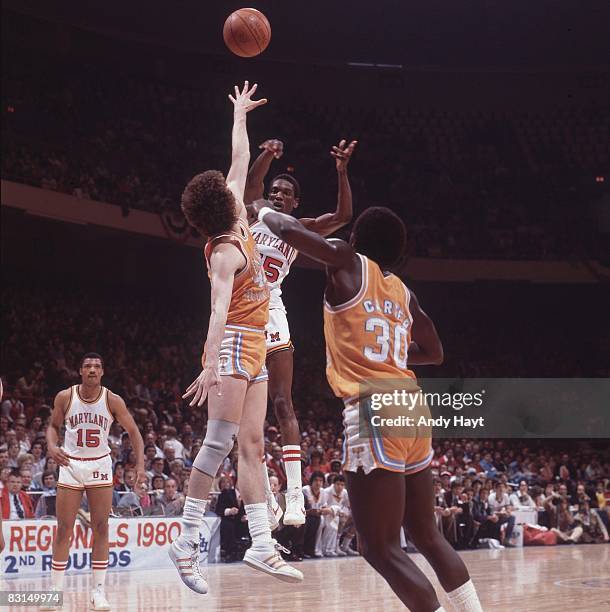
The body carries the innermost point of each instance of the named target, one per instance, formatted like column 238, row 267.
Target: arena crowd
column 479, row 484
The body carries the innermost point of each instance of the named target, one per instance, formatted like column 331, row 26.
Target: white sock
column 192, row 517
column 258, row 525
column 99, row 573
column 465, row 598
column 266, row 478
column 292, row 462
column 58, row 572
column 441, row 609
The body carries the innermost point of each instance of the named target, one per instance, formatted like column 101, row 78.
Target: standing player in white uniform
column 87, row 411
column 277, row 257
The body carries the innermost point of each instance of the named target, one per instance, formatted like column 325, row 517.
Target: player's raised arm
column 255, row 186
column 328, row 223
column 225, row 261
column 240, row 157
column 60, row 406
column 426, row 347
column 117, row 407
column 335, row 253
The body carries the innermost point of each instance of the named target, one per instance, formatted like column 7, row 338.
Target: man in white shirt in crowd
column 173, row 442
column 521, row 498
column 335, row 510
column 499, row 502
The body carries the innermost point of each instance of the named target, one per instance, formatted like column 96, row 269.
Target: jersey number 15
column 92, row 438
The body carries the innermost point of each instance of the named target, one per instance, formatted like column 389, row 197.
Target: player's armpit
column 426, row 348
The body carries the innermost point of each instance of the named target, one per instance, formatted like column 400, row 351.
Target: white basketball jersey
column 277, row 257
column 87, row 425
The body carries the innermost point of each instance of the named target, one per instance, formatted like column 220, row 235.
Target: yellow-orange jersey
column 249, row 305
column 368, row 336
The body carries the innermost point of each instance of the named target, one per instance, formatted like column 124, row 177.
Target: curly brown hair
column 208, row 204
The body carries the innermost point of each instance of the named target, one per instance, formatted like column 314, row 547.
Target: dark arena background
column 484, row 125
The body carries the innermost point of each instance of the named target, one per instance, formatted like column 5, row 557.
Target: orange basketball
column 246, row 32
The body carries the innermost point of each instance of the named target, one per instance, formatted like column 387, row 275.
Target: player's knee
column 64, row 529
column 282, row 406
column 100, row 528
column 218, row 443
column 251, row 445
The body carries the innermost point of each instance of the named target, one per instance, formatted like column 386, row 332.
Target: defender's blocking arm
column 240, row 158
column 334, row 253
column 225, row 261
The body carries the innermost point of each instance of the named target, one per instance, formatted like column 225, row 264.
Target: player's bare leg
column 224, row 415
column 447, row 564
column 68, row 503
column 263, row 555
column 378, row 503
column 100, row 505
column 280, row 367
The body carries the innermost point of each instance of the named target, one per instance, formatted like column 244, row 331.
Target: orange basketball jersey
column 249, row 305
column 368, row 336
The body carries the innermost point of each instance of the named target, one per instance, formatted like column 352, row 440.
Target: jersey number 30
column 92, row 438
column 387, row 342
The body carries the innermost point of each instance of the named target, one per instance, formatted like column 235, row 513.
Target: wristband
column 264, row 211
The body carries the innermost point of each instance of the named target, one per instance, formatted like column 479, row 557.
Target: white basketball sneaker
column 185, row 556
column 98, row 600
column 270, row 561
column 274, row 511
column 295, row 507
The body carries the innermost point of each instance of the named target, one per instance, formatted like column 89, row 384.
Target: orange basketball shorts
column 243, row 351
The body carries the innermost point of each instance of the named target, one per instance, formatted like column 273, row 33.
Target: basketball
column 247, row 32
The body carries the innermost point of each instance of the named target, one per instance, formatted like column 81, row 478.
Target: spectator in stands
column 136, row 502
column 313, row 515
column 26, row 479
column 594, row 530
column 13, row 454
column 276, row 464
column 315, row 465
column 15, row 503
column 157, row 468
column 335, row 508
column 118, row 479
column 233, row 527
column 37, row 452
column 171, row 502
column 500, row 505
column 46, row 503
column 521, row 498
column 172, row 442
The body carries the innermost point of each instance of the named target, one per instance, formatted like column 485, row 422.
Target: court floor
column 515, row 580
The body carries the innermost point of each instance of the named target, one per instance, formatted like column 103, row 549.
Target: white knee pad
column 219, row 440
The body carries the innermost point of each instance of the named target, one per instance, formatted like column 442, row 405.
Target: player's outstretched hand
column 273, row 146
column 58, row 454
column 243, row 99
column 343, row 152
column 201, row 386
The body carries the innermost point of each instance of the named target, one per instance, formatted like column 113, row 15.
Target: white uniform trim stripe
column 245, row 328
